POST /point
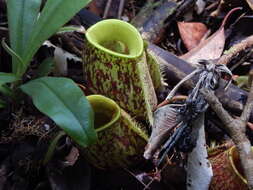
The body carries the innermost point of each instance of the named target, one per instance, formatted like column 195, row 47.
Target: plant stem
column 52, row 146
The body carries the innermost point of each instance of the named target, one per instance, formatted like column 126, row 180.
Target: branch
column 236, row 129
column 218, row 109
column 249, row 105
column 244, row 44
column 107, row 8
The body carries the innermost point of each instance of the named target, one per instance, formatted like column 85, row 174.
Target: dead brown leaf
column 165, row 120
column 191, row 33
column 250, row 3
column 212, row 47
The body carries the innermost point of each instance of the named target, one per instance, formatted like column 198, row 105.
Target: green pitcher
column 116, row 65
column 121, row 141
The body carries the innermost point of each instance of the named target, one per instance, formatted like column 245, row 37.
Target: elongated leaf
column 63, row 101
column 7, row 78
column 22, row 15
column 55, row 14
column 18, row 62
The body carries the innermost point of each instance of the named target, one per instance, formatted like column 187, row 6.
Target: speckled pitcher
column 121, row 141
column 227, row 171
column 116, row 65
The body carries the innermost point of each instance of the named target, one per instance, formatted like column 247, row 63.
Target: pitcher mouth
column 231, row 155
column 113, row 30
column 106, row 111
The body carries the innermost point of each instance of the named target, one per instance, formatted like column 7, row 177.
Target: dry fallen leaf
column 250, row 2
column 191, row 33
column 211, row 48
column 165, row 120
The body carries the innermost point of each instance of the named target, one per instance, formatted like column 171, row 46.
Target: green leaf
column 18, row 59
column 63, row 101
column 7, row 78
column 45, row 67
column 52, row 147
column 55, row 14
column 22, row 15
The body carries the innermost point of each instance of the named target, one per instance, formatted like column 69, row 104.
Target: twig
column 249, row 105
column 250, row 3
column 121, row 7
column 234, row 50
column 213, row 5
column 218, row 10
column 107, row 8
column 236, row 128
column 175, row 89
column 217, row 107
column 242, row 60
column 169, row 101
column 133, row 8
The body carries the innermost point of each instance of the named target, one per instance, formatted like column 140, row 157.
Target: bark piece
column 151, row 20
